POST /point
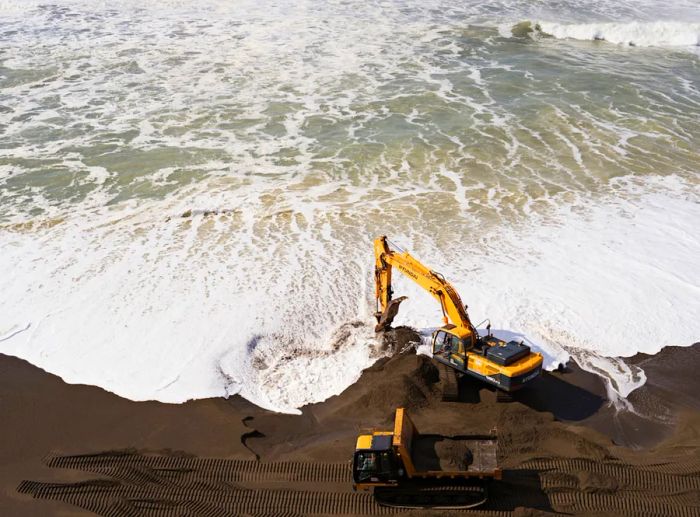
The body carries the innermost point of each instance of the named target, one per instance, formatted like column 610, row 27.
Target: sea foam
column 152, row 305
column 642, row 34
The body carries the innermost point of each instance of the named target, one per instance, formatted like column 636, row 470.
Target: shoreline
column 565, row 417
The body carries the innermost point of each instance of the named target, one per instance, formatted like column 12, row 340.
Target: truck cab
column 375, row 462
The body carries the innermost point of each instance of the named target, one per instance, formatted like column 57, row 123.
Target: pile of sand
column 442, row 453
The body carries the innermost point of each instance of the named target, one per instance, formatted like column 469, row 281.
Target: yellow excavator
column 457, row 344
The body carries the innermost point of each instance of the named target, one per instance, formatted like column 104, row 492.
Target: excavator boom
column 453, row 310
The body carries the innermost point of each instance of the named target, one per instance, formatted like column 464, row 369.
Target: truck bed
column 434, row 453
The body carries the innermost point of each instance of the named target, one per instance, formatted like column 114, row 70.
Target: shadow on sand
column 550, row 393
column 564, row 400
column 518, row 488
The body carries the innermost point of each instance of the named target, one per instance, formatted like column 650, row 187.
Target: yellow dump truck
column 407, row 469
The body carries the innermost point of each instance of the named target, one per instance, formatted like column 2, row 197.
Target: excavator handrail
column 395, row 245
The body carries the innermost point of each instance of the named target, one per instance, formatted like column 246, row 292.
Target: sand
column 77, row 450
column 452, row 454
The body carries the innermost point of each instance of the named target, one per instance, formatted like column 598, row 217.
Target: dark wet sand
column 563, row 448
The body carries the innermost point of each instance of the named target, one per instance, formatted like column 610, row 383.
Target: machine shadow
column 518, row 488
column 564, row 400
column 549, row 393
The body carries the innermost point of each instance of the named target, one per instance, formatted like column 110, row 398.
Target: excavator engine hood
column 508, row 353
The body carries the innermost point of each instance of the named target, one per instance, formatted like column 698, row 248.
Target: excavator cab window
column 456, row 344
column 447, row 344
column 439, row 343
column 466, row 345
column 374, row 467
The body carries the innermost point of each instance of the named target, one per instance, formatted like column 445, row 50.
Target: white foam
column 636, row 33
column 8, row 7
column 210, row 305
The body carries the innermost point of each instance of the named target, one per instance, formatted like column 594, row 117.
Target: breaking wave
column 641, row 34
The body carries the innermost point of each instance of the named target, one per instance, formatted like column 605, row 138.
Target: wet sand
column 562, row 446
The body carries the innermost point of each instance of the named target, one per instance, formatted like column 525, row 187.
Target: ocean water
column 189, row 190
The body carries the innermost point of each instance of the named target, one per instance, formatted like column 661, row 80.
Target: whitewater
column 189, row 190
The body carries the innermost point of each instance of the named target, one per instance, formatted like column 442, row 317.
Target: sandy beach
column 78, row 450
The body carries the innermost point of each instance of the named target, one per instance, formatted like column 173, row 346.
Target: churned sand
column 78, row 450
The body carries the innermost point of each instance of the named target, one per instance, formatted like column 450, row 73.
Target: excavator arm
column 453, row 310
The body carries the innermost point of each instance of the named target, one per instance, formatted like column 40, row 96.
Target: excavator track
column 503, row 397
column 449, row 380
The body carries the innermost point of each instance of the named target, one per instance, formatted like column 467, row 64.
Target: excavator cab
column 447, row 342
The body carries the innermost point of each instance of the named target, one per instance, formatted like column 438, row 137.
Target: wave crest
column 643, row 34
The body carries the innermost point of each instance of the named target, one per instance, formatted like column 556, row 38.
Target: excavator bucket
column 384, row 319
